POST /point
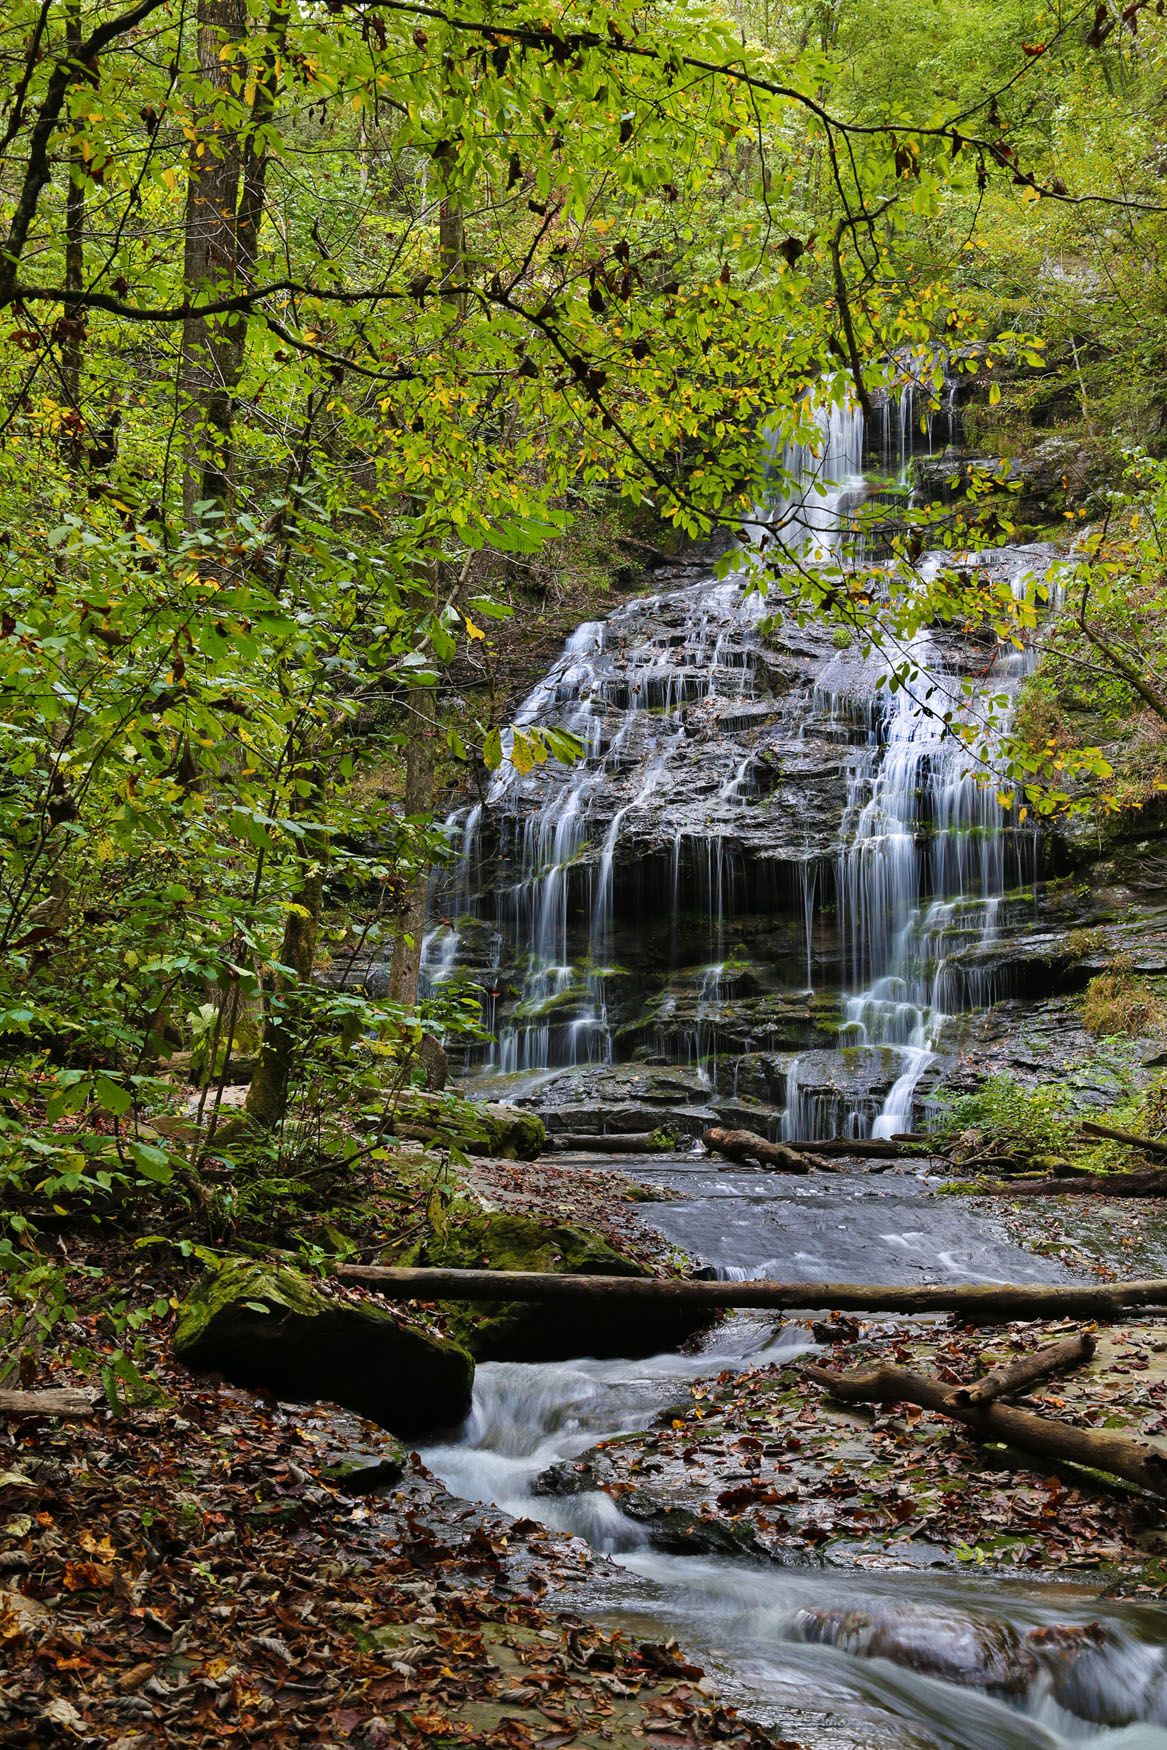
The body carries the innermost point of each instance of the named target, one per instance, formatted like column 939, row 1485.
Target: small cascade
column 928, row 853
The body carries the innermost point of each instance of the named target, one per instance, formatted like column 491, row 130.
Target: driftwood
column 1149, row 1144
column 892, row 1148
column 745, row 1145
column 636, row 1142
column 1149, row 1184
column 981, row 1304
column 1135, row 1461
column 65, row 1403
column 1026, row 1370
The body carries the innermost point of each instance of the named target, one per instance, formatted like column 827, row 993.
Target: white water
column 924, row 859
column 756, row 1627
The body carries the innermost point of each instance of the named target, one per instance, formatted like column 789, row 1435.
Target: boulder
column 504, row 1132
column 268, row 1326
column 957, row 1649
column 513, row 1331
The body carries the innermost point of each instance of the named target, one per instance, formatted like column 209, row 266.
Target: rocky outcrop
column 510, row 1331
column 271, row 1327
column 478, row 1128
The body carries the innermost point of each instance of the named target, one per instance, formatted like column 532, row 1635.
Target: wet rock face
column 957, row 1649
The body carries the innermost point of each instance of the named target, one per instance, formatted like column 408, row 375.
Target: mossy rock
column 267, row 1325
column 519, row 1331
column 505, row 1132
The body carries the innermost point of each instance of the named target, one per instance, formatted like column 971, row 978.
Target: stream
column 744, row 1622
column 776, row 875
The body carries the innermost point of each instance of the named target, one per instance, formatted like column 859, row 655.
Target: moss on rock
column 268, row 1325
column 518, row 1331
column 506, row 1132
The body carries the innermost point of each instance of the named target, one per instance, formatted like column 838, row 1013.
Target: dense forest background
column 352, row 353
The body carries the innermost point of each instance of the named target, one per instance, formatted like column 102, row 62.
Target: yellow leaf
column 473, row 631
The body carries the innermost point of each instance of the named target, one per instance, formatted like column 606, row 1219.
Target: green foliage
column 1034, row 1121
column 1120, row 1003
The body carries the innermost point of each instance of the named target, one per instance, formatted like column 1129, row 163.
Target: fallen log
column 1135, row 1461
column 980, row 1303
column 892, row 1148
column 1149, row 1184
column 636, row 1142
column 1152, row 1145
column 65, row 1403
column 1027, row 1370
column 745, row 1145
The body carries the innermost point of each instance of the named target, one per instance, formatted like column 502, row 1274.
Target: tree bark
column 1088, row 1185
column 995, row 1304
column 71, row 350
column 634, row 1142
column 1150, row 1144
column 267, row 1097
column 744, row 1145
column 1027, row 1370
column 210, row 259
column 1135, row 1461
column 65, row 1403
column 892, row 1148
column 405, row 966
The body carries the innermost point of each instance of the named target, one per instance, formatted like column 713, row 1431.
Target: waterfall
column 598, row 905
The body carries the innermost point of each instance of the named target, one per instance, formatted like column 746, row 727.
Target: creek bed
column 990, row 1680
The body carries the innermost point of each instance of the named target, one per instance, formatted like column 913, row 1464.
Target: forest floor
column 190, row 1568
column 195, row 1564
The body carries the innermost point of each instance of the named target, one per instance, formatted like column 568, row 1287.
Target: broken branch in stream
column 1149, row 1184
column 1134, row 1461
column 746, row 1145
column 1027, row 1370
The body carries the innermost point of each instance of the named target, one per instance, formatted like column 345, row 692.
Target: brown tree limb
column 1026, row 1370
column 1135, row 1461
column 1150, row 1184
column 65, row 1403
column 746, row 1145
column 979, row 1303
column 1150, row 1144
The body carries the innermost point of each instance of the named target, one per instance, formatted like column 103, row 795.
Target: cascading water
column 689, row 809
column 768, row 863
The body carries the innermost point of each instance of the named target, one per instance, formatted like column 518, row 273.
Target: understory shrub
column 1120, row 1002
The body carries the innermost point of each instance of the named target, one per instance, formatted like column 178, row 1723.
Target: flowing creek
column 745, row 1621
column 780, row 877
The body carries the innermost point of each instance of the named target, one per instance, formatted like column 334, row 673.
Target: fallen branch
column 1150, row 1144
column 892, row 1148
column 981, row 1304
column 1135, row 1461
column 1027, row 1370
column 1150, row 1184
column 635, row 1142
column 745, row 1145
column 66, row 1403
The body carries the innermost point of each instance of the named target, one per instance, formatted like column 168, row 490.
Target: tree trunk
column 66, row 1403
column 267, row 1097
column 996, row 1304
column 635, row 1142
column 1089, row 1185
column 1149, row 1144
column 405, row 967
column 211, row 260
column 744, row 1145
column 74, row 243
column 1135, row 1461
